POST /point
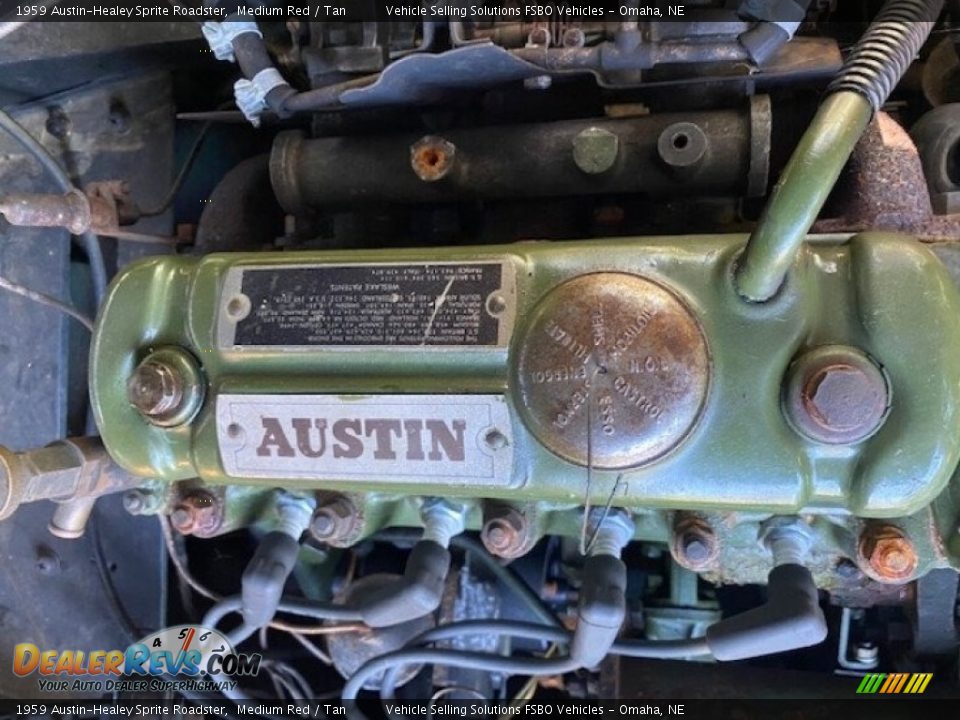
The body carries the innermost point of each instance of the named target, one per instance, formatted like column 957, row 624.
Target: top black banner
column 781, row 11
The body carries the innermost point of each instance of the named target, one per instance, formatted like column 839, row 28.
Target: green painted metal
column 884, row 294
column 800, row 193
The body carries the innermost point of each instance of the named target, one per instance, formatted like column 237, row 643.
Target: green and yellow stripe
column 894, row 683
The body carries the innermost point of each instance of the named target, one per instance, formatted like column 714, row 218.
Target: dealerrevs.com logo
column 175, row 658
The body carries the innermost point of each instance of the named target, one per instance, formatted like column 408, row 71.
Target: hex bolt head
column 836, row 395
column 888, row 552
column 155, row 389
column 506, row 534
column 335, row 522
column 694, row 544
column 199, row 513
column 166, row 388
column 595, row 150
column 432, row 158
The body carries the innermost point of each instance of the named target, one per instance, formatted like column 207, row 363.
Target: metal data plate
column 382, row 439
column 412, row 305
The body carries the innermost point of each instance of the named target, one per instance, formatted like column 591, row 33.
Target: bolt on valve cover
column 612, row 371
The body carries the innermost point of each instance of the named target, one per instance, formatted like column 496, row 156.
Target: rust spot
column 836, row 395
column 432, row 158
column 884, row 188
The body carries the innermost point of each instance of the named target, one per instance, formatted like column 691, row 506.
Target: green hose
column 800, row 193
column 870, row 73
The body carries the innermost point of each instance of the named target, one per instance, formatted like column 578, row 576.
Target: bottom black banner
column 874, row 707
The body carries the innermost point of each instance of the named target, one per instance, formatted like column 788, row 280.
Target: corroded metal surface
column 432, row 158
column 888, row 553
column 836, row 395
column 884, row 188
column 612, row 371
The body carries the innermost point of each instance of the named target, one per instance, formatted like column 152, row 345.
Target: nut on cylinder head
column 336, row 522
column 836, row 395
column 199, row 512
column 507, row 532
column 432, row 158
column 887, row 553
column 166, row 388
column 694, row 544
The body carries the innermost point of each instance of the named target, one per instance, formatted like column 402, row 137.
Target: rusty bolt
column 836, row 395
column 336, row 522
column 198, row 513
column 432, row 158
column 888, row 552
column 694, row 543
column 507, row 534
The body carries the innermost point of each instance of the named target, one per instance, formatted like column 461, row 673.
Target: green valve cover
column 545, row 372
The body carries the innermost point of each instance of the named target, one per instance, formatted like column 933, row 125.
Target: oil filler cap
column 612, row 370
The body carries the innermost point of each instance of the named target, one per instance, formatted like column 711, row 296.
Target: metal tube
column 800, row 193
column 65, row 471
column 705, row 153
column 868, row 77
column 70, row 518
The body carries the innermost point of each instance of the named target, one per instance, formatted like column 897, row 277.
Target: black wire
column 182, row 174
column 655, row 649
